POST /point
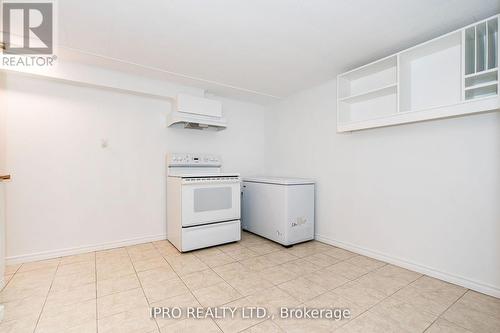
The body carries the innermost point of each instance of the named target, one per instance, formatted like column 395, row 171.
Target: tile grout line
column 302, row 275
column 243, row 296
column 224, row 280
column 140, row 283
column 211, row 268
column 329, row 290
column 268, row 319
column 277, row 285
column 440, row 315
column 264, row 254
column 14, row 274
column 239, row 261
column 383, row 299
column 349, row 281
column 421, row 276
column 47, row 296
column 234, row 300
column 278, row 265
column 189, row 289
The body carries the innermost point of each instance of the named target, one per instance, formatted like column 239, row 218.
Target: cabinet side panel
column 174, row 213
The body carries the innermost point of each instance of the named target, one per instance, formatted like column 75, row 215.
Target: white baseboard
column 81, row 249
column 452, row 278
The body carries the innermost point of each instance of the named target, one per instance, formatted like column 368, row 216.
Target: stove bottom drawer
column 210, row 234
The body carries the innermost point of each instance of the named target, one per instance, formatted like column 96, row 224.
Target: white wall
column 423, row 195
column 70, row 193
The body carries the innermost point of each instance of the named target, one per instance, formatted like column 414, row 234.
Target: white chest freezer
column 279, row 209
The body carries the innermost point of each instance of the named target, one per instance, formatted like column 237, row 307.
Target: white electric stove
column 203, row 203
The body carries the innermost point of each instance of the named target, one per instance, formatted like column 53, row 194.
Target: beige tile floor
column 113, row 290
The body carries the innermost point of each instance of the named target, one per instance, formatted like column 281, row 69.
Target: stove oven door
column 210, row 200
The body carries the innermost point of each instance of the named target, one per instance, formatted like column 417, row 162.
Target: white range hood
column 197, row 113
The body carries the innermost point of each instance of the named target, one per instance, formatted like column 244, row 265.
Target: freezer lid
column 279, row 180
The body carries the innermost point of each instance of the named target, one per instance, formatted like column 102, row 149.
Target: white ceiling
column 271, row 47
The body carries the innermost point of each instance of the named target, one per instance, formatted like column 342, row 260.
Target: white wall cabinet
column 455, row 74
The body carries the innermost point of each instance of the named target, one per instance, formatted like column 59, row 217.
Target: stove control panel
column 187, row 159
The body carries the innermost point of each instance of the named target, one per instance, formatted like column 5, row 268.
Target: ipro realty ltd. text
column 249, row 312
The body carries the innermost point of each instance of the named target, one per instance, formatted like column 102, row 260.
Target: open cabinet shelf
column 482, row 85
column 368, row 92
column 455, row 74
column 481, row 91
column 371, row 94
column 369, row 78
column 484, row 74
